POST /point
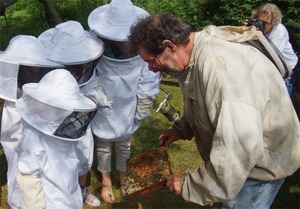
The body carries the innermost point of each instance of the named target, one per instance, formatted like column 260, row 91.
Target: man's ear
column 170, row 45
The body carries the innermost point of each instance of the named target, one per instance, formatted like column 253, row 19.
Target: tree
column 4, row 4
column 197, row 13
column 233, row 12
column 51, row 8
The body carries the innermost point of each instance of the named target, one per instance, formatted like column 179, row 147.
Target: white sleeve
column 148, row 86
column 279, row 37
column 31, row 153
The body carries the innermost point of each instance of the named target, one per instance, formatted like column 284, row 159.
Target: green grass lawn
column 183, row 154
column 183, row 157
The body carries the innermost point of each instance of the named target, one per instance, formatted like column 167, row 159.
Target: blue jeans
column 289, row 85
column 255, row 194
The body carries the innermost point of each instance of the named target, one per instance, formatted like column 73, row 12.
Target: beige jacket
column 237, row 107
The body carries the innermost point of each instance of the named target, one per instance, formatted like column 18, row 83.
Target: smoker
column 167, row 109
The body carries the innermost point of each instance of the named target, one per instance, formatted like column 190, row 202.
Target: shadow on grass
column 161, row 198
column 170, row 81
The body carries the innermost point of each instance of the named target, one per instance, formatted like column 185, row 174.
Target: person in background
column 277, row 33
column 70, row 45
column 234, row 100
column 23, row 61
column 129, row 86
column 55, row 116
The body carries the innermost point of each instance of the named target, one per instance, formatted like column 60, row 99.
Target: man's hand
column 168, row 137
column 174, row 183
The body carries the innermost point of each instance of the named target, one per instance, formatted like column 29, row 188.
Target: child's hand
column 101, row 97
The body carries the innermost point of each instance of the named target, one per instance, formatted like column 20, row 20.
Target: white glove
column 32, row 191
column 143, row 109
column 101, row 97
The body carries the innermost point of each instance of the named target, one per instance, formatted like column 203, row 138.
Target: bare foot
column 122, row 189
column 107, row 194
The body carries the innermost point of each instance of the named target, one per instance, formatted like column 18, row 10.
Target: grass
column 183, row 154
column 183, row 157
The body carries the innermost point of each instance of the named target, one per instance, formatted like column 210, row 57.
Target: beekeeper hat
column 45, row 105
column 26, row 50
column 113, row 21
column 59, row 88
column 69, row 43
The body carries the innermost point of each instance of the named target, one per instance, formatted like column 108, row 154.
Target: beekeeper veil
column 56, row 107
column 23, row 61
column 78, row 50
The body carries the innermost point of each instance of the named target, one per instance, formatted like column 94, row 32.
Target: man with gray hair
column 277, row 33
column 234, row 98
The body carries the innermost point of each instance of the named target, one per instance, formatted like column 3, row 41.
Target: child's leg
column 106, row 192
column 106, row 179
column 84, row 151
column 82, row 180
column 122, row 155
column 86, row 196
column 104, row 166
column 122, row 183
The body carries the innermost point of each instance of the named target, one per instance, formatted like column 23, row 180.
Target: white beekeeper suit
column 125, row 89
column 126, row 81
column 69, row 44
column 55, row 116
column 24, row 60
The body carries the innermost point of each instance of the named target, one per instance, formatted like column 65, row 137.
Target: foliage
column 228, row 12
column 187, row 10
column 71, row 10
column 197, row 13
column 32, row 17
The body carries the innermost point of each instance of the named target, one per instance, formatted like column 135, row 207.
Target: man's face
column 163, row 62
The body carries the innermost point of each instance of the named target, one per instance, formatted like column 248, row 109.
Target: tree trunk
column 3, row 5
column 56, row 17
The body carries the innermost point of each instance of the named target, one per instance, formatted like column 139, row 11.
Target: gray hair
column 269, row 9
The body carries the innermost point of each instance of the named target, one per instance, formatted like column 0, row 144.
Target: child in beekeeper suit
column 55, row 117
column 129, row 86
column 78, row 50
column 23, row 61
